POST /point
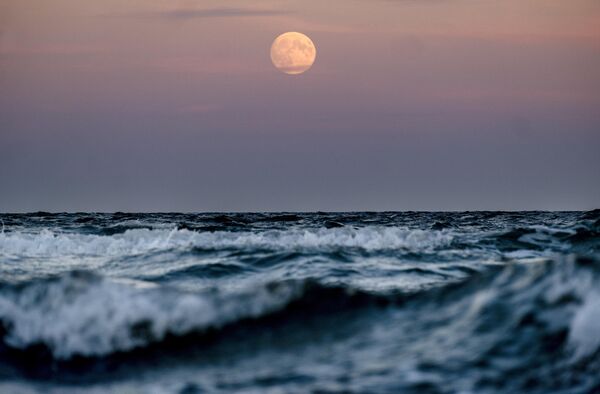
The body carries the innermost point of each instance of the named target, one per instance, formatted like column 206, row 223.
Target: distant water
column 472, row 302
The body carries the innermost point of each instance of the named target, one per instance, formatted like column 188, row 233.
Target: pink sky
column 454, row 90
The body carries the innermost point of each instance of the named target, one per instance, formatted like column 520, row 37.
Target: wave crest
column 84, row 314
column 138, row 241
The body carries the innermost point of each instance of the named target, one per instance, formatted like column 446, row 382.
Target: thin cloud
column 192, row 13
column 12, row 48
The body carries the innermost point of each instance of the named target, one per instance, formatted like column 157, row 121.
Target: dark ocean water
column 473, row 302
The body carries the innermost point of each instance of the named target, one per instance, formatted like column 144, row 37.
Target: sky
column 174, row 105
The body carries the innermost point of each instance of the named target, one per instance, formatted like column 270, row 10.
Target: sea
column 357, row 302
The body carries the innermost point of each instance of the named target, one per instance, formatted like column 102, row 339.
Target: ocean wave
column 582, row 238
column 522, row 304
column 548, row 305
column 84, row 314
column 400, row 302
column 48, row 243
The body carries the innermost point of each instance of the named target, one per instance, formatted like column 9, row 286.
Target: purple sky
column 411, row 105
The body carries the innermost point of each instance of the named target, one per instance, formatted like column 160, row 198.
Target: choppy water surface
column 473, row 302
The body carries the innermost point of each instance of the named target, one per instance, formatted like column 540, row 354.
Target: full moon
column 293, row 53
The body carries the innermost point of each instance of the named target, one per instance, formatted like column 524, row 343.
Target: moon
column 293, row 53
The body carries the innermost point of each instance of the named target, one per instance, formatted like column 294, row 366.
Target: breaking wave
column 517, row 309
column 47, row 243
column 84, row 314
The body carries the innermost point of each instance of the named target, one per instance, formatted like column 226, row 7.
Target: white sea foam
column 82, row 314
column 584, row 333
column 138, row 241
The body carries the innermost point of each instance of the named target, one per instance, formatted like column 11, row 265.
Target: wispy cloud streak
column 191, row 13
